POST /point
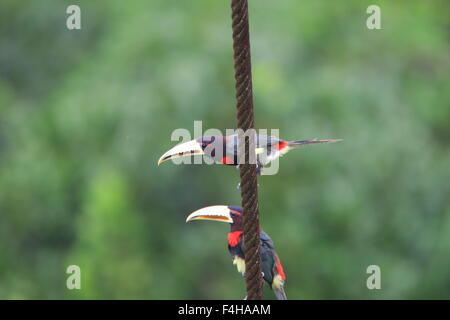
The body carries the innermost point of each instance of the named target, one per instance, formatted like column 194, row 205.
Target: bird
column 272, row 270
column 224, row 149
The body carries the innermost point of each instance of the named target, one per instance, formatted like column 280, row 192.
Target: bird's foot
column 239, row 186
column 258, row 169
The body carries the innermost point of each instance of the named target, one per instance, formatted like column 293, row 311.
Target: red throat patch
column 281, row 145
column 234, row 238
column 280, row 270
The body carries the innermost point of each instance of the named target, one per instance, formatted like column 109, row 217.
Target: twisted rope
column 248, row 186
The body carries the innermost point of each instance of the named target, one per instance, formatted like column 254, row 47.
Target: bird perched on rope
column 224, row 149
column 271, row 267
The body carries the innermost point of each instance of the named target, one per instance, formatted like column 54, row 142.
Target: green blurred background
column 85, row 115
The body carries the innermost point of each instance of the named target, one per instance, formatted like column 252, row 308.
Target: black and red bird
column 272, row 269
column 224, row 149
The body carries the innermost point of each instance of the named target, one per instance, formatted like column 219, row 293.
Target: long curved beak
column 214, row 213
column 182, row 150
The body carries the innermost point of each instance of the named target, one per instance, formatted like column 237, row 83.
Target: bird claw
column 239, row 186
column 258, row 173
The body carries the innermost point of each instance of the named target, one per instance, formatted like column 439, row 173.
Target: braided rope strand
column 245, row 121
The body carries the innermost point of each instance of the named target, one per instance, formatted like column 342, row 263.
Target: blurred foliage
column 84, row 116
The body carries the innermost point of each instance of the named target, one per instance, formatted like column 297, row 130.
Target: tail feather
column 297, row 143
column 279, row 293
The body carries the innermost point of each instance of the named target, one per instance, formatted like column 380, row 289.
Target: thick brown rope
column 248, row 186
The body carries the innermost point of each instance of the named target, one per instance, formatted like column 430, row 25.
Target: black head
column 206, row 141
column 238, row 219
